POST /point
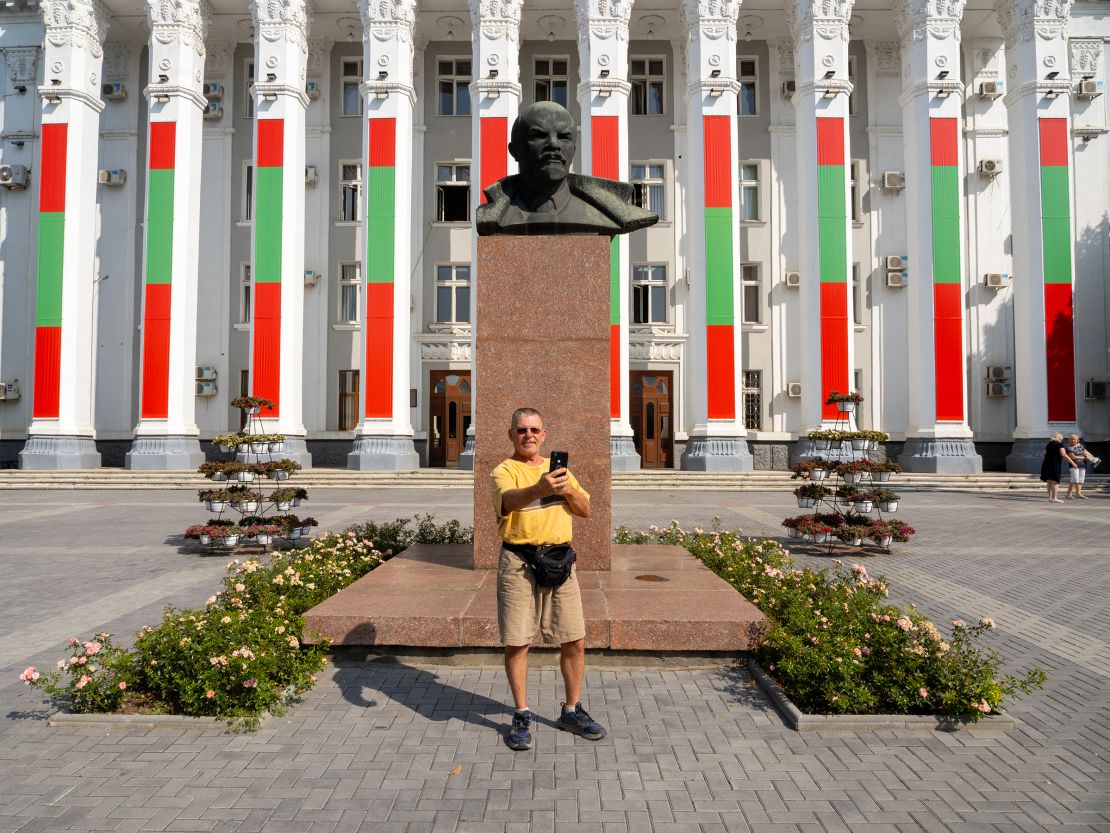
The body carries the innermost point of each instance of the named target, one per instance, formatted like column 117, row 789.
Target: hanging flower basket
column 818, row 474
column 265, row 540
column 860, row 443
column 806, row 502
column 279, row 474
column 885, row 541
column 851, row 477
column 863, row 506
column 259, row 448
column 251, row 410
column 277, row 446
column 283, row 505
column 889, row 506
column 204, row 539
column 820, row 537
column 846, row 407
column 215, row 505
column 821, row 444
column 219, row 476
column 248, row 507
column 882, row 476
column 229, row 540
column 245, row 476
column 794, row 532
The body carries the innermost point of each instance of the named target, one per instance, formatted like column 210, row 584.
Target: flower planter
column 277, row 446
column 279, row 474
column 855, row 542
column 846, row 407
column 259, row 448
column 205, row 540
column 215, row 505
column 229, row 540
column 818, row 474
column 885, row 541
column 296, row 532
column 248, row 507
column 265, row 540
column 821, row 538
column 821, row 445
column 889, row 506
column 863, row 506
column 806, row 502
column 251, row 410
column 227, row 446
column 296, row 501
column 283, row 505
column 245, row 476
column 881, row 476
column 859, row 444
column 218, row 476
column 244, row 448
column 851, row 478
column 795, row 532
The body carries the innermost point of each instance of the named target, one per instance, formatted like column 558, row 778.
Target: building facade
column 208, row 198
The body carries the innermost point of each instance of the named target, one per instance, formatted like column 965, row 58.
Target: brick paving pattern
column 390, row 748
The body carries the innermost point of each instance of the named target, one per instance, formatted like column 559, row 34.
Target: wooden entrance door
column 449, row 416
column 348, row 400
column 650, row 409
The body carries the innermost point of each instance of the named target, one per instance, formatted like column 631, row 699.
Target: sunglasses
column 528, row 430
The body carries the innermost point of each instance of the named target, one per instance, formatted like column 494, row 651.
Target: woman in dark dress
column 1055, row 455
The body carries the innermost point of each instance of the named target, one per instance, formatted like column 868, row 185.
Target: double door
column 449, row 416
column 650, row 408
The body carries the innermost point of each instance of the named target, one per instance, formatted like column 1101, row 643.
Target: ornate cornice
column 1085, row 55
column 887, row 56
column 117, row 60
column 496, row 19
column 714, row 19
column 603, row 19
column 917, row 19
column 386, row 20
column 1044, row 19
column 786, row 58
column 276, row 20
column 218, row 57
column 79, row 23
column 318, row 51
column 183, row 22
column 21, row 64
column 827, row 19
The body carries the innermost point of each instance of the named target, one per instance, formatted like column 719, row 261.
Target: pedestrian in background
column 1077, row 453
column 1055, row 455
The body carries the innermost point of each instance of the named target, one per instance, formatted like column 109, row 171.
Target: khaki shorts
column 523, row 607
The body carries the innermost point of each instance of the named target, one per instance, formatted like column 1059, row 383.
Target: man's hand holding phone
column 557, row 479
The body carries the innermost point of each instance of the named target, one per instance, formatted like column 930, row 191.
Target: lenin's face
column 544, row 145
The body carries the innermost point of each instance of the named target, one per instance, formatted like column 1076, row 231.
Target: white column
column 383, row 439
column 717, row 440
column 61, row 432
column 820, row 31
column 603, row 151
column 277, row 249
column 166, row 436
column 1038, row 103
column 937, row 437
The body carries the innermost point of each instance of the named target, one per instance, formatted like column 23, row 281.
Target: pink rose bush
column 836, row 645
column 82, row 684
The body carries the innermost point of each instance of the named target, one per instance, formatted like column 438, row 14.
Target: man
column 535, row 507
column 545, row 198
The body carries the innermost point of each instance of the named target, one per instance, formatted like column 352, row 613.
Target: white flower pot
column 244, row 448
column 264, row 539
column 245, row 476
column 296, row 501
column 215, row 505
column 859, row 444
column 863, row 506
column 846, row 407
column 821, row 445
column 248, row 506
column 885, row 542
column 259, row 448
column 296, row 532
column 851, row 478
column 278, row 446
column 821, row 538
column 219, row 476
column 889, row 506
column 251, row 410
column 229, row 540
column 227, row 446
column 279, row 474
column 205, row 540
column 881, row 476
column 806, row 502
column 855, row 542
column 794, row 533
column 818, row 474
column 283, row 505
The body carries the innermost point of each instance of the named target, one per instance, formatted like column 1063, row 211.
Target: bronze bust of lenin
column 545, row 198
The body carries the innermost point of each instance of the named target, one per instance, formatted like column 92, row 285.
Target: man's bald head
column 543, row 143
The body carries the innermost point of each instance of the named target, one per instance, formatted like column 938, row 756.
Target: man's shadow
column 422, row 691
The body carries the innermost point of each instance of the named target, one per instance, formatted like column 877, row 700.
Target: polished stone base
column 164, row 453
column 383, row 453
column 725, row 454
column 655, row 598
column 940, row 456
column 623, row 451
column 1026, row 456
column 294, row 448
column 53, row 453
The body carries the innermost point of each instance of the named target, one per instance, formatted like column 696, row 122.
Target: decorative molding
column 603, row 19
column 79, row 23
column 786, row 58
column 21, row 64
column 318, row 51
column 496, row 20
column 445, row 350
column 275, row 20
column 1045, row 19
column 1086, row 53
column 387, row 20
column 655, row 348
column 986, row 63
column 713, row 19
column 217, row 60
column 183, row 22
column 917, row 19
column 827, row 19
column 117, row 60
column 888, row 58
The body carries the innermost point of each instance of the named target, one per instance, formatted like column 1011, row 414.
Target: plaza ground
column 391, row 748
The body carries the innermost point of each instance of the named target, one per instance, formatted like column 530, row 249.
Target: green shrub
column 392, row 537
column 837, row 647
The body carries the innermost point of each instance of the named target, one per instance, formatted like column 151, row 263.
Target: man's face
column 548, row 147
column 527, row 435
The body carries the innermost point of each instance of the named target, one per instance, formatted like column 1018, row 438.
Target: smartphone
column 559, row 460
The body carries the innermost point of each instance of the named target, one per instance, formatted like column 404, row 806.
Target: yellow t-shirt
column 544, row 521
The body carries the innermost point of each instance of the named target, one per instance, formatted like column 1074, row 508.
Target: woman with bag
column 1055, row 455
column 1077, row 453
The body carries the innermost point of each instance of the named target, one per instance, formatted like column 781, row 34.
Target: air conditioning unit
column 1094, row 390
column 998, row 389
column 894, row 180
column 997, row 373
column 206, row 373
column 311, row 277
column 213, row 91
column 114, row 91
column 213, row 111
column 897, row 280
column 789, row 87
column 206, row 387
column 990, row 167
column 114, row 178
column 312, row 89
column 793, row 279
column 992, row 89
column 996, row 280
column 311, row 176
column 794, row 390
column 1089, row 88
column 9, row 391
column 895, row 263
column 15, row 176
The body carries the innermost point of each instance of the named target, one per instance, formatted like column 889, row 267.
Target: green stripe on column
column 718, row 266
column 614, row 281
column 1056, row 223
column 48, row 300
column 267, row 224
column 832, row 218
column 380, row 223
column 159, row 226
column 946, row 224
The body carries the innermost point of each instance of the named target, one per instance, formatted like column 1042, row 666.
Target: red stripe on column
column 379, row 350
column 720, row 376
column 494, row 150
column 48, row 371
column 383, row 143
column 266, row 370
column 834, row 344
column 717, row 141
column 943, row 142
column 156, row 351
column 1060, row 344
column 830, row 140
column 948, row 350
column 52, row 168
column 615, row 371
column 271, row 146
column 162, row 147
column 605, row 146
column 1054, row 141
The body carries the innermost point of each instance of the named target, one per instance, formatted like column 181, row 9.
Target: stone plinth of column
column 542, row 342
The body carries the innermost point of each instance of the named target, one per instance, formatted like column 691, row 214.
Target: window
column 453, row 293
column 244, row 293
column 348, row 400
column 748, row 100
column 352, row 77
column 453, row 192
column 855, row 187
column 752, row 306
column 753, row 400
column 857, row 294
column 350, row 293
column 647, row 79
column 454, row 86
column 350, row 184
column 852, row 80
column 551, row 80
column 749, row 192
column 248, row 99
column 247, row 212
column 647, row 179
column 649, row 294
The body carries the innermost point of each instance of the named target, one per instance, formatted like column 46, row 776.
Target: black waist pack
column 550, row 564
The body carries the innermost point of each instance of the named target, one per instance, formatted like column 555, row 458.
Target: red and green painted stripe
column 48, row 298
column 1056, row 245
column 719, row 316
column 947, row 294
column 381, row 224
column 493, row 153
column 832, row 236
column 266, row 274
column 605, row 160
column 158, row 275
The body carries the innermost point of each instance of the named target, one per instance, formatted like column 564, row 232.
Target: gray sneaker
column 520, row 737
column 580, row 722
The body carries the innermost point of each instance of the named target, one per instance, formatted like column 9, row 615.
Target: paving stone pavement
column 390, row 747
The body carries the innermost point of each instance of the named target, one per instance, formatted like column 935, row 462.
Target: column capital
column 1045, row 19
column 915, row 20
column 712, row 19
column 603, row 19
column 217, row 62
column 277, row 19
column 886, row 56
column 78, row 23
column 386, row 20
column 21, row 64
column 827, row 19
column 319, row 48
column 1085, row 54
column 179, row 22
column 496, row 19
